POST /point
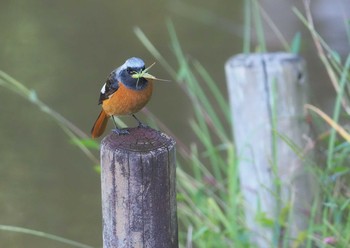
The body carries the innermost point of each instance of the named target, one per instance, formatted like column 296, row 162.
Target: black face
column 126, row 78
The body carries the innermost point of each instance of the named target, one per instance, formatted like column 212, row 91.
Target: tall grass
column 211, row 210
column 208, row 203
column 335, row 210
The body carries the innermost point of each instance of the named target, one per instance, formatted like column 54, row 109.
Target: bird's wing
column 109, row 87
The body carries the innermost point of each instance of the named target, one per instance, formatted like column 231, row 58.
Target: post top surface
column 138, row 140
column 257, row 58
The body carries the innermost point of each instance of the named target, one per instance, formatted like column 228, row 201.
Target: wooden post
column 138, row 190
column 267, row 95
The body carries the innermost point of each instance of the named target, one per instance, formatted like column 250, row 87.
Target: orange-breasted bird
column 126, row 91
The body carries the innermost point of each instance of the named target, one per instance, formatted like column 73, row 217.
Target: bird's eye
column 130, row 70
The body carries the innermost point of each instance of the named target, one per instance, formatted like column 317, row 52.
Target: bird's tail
column 100, row 125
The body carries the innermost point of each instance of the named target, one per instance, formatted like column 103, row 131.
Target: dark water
column 64, row 50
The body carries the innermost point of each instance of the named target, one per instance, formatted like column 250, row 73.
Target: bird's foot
column 141, row 125
column 120, row 131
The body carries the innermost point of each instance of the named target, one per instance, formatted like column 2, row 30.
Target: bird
column 126, row 91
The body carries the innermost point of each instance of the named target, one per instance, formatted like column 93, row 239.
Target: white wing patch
column 103, row 90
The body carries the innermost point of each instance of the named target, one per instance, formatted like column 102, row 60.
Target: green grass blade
column 154, row 51
column 296, row 43
column 233, row 194
column 221, row 215
column 43, row 235
column 247, row 26
column 259, row 26
column 68, row 127
column 336, row 112
column 215, row 91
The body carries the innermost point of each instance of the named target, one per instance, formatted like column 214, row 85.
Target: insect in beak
column 144, row 74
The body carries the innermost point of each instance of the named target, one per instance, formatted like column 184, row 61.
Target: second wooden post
column 267, row 95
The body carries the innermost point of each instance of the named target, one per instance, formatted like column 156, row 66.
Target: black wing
column 109, row 87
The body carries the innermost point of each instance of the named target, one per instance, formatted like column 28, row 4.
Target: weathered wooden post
column 267, row 95
column 138, row 190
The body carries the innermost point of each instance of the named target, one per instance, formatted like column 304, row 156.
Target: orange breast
column 127, row 101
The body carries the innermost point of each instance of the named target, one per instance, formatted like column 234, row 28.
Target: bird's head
column 133, row 74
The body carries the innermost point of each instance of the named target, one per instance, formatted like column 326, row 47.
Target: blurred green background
column 64, row 50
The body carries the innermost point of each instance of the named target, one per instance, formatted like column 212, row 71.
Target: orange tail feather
column 100, row 125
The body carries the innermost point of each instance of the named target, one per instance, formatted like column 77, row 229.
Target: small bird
column 126, row 91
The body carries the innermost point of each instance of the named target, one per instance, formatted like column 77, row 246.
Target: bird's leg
column 117, row 130
column 140, row 123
